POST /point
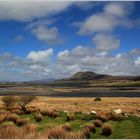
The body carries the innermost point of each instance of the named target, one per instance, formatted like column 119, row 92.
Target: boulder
column 117, row 111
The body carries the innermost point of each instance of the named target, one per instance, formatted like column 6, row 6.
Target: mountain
column 87, row 78
column 88, row 75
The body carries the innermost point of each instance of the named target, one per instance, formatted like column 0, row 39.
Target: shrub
column 2, row 118
column 75, row 135
column 4, row 124
column 91, row 127
column 103, row 118
column 12, row 117
column 16, row 111
column 86, row 132
column 30, row 128
column 12, row 132
column 55, row 114
column 24, row 100
column 9, row 132
column 38, row 117
column 106, row 130
column 114, row 117
column 44, row 112
column 66, row 127
column 70, row 117
column 98, row 123
column 21, row 122
column 56, row 133
column 9, row 101
column 97, row 99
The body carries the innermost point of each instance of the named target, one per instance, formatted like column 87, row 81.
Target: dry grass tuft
column 2, row 118
column 56, row 133
column 38, row 117
column 114, row 117
column 97, row 123
column 75, row 135
column 101, row 117
column 66, row 127
column 11, row 117
column 106, row 130
column 90, row 127
column 22, row 122
column 70, row 117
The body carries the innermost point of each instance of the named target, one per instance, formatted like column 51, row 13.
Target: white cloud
column 28, row 10
column 48, row 35
column 38, row 64
column 105, row 42
column 40, row 57
column 113, row 15
column 116, row 9
column 137, row 61
column 62, row 55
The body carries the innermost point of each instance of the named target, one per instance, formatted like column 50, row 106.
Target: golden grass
column 130, row 105
column 87, row 104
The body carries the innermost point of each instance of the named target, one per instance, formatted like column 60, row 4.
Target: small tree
column 24, row 100
column 9, row 101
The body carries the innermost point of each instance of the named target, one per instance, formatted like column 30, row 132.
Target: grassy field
column 88, row 104
column 72, row 118
column 126, row 128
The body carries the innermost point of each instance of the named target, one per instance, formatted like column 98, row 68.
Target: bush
column 66, row 127
column 4, row 124
column 91, row 127
column 114, row 117
column 97, row 123
column 9, row 132
column 106, row 130
column 56, row 133
column 70, row 117
column 2, row 118
column 24, row 100
column 75, row 135
column 12, row 117
column 38, row 117
column 17, row 111
column 44, row 112
column 12, row 132
column 30, row 128
column 103, row 118
column 55, row 114
column 21, row 122
column 97, row 99
column 86, row 132
column 9, row 101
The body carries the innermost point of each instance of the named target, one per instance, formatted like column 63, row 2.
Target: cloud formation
column 39, row 64
column 28, row 10
column 47, row 35
column 113, row 15
column 105, row 42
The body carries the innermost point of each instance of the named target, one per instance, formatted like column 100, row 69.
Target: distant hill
column 88, row 77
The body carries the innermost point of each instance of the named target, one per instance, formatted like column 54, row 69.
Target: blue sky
column 52, row 40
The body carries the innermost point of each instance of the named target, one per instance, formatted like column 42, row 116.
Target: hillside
column 89, row 78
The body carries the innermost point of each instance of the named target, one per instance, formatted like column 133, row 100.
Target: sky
column 56, row 39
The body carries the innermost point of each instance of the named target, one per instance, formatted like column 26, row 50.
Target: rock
column 65, row 111
column 93, row 112
column 118, row 111
column 86, row 112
